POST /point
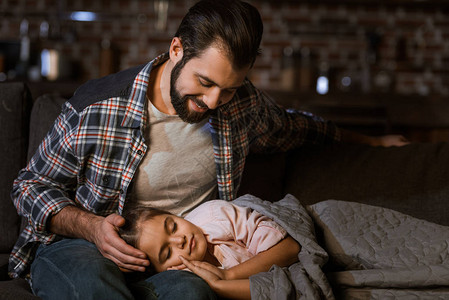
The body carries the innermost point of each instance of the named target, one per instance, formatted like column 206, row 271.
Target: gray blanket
column 304, row 279
column 379, row 253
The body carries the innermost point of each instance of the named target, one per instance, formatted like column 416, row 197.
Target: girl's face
column 165, row 237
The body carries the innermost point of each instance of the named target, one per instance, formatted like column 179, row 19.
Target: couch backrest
column 46, row 109
column 411, row 179
column 15, row 108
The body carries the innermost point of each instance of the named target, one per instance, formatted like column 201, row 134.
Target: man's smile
column 198, row 105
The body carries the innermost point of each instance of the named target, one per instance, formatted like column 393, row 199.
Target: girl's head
column 163, row 237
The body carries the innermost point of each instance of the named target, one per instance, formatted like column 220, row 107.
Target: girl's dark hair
column 232, row 25
column 134, row 217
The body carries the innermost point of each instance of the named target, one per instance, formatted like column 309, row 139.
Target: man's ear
column 176, row 51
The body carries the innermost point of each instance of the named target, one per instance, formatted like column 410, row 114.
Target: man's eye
column 175, row 226
column 205, row 84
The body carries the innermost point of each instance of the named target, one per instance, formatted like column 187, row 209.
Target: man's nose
column 212, row 98
column 178, row 241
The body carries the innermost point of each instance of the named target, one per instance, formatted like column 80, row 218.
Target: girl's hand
column 179, row 267
column 233, row 289
column 210, row 273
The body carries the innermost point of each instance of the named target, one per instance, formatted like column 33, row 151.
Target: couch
column 410, row 179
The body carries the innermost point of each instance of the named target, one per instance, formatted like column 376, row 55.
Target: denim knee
column 75, row 269
column 181, row 285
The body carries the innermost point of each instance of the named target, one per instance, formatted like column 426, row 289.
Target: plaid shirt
column 92, row 152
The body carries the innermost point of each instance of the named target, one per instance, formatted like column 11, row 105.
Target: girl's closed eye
column 165, row 254
column 168, row 253
column 170, row 226
column 173, row 226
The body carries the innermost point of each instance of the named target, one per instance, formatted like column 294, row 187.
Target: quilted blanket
column 373, row 253
column 378, row 253
column 304, row 279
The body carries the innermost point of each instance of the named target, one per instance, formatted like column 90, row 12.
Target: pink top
column 234, row 233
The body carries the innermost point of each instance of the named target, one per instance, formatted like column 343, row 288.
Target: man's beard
column 180, row 103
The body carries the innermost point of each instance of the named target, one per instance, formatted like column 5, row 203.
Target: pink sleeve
column 249, row 228
column 223, row 221
column 263, row 233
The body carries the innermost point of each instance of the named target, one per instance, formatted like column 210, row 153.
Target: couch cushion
column 16, row 289
column 15, row 107
column 4, row 257
column 412, row 179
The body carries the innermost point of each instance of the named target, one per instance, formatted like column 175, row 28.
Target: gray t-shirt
column 178, row 171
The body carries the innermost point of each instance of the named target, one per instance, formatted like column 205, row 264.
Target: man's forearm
column 75, row 222
column 354, row 137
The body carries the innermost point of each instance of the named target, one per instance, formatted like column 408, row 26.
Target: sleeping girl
column 222, row 243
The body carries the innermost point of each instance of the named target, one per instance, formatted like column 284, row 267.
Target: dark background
column 387, row 62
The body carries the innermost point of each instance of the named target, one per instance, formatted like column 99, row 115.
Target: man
column 170, row 134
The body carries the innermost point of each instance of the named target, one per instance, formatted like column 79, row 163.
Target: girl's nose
column 179, row 241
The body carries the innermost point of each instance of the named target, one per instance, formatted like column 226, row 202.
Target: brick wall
column 401, row 48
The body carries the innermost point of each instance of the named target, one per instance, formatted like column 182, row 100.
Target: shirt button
column 139, row 152
column 105, row 179
column 121, row 191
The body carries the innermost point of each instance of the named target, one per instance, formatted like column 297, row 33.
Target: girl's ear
column 175, row 51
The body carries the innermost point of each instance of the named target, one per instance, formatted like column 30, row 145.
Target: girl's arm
column 230, row 289
column 282, row 254
column 234, row 282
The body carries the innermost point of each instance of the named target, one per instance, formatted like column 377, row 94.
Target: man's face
column 165, row 237
column 203, row 84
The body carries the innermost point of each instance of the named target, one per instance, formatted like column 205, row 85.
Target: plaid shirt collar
column 135, row 110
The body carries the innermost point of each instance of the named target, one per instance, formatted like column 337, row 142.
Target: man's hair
column 231, row 25
column 134, row 217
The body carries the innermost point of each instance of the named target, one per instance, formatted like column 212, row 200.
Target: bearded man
column 170, row 134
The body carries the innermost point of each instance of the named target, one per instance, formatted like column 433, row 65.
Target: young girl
column 220, row 242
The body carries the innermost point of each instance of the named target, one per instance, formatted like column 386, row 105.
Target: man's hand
column 389, row 140
column 74, row 222
column 383, row 141
column 113, row 247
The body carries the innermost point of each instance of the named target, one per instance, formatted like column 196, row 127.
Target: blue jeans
column 75, row 269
